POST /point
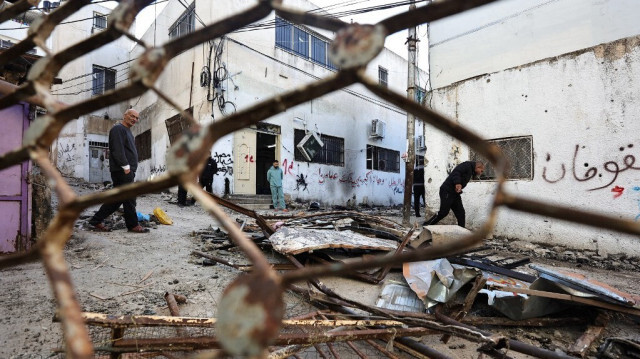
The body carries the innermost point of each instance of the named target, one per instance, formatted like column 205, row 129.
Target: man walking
column 206, row 176
column 451, row 190
column 274, row 177
column 418, row 188
column 123, row 162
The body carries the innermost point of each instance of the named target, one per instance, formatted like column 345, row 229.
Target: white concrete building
column 254, row 64
column 555, row 84
column 81, row 148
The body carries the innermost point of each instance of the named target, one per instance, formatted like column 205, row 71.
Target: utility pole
column 411, row 120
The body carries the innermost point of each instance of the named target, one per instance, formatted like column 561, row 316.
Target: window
column 99, row 21
column 519, row 153
column 332, row 153
column 5, row 44
column 176, row 125
column 143, row 145
column 185, row 24
column 382, row 159
column 421, row 95
column 318, row 50
column 383, row 76
column 283, row 34
column 302, row 43
column 419, row 160
column 104, row 79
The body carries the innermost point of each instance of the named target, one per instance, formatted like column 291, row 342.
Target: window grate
column 519, row 154
column 332, row 153
column 383, row 159
column 104, row 79
column 383, row 76
column 143, row 145
column 185, row 24
column 98, row 144
column 99, row 21
column 176, row 125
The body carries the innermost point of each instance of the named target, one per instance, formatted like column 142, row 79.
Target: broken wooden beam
column 581, row 346
column 262, row 223
column 468, row 303
column 399, row 250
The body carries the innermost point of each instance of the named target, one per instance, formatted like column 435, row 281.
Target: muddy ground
column 122, row 273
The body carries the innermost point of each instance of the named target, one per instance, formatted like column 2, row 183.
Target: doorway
column 266, row 144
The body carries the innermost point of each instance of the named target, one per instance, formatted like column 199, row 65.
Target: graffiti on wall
column 301, row 183
column 67, row 158
column 324, row 176
column 156, row 170
column 222, row 159
column 609, row 170
column 225, row 163
column 636, row 189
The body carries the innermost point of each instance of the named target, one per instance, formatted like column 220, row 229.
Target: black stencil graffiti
column 225, row 170
column 156, row 170
column 66, row 158
column 301, row 182
column 223, row 159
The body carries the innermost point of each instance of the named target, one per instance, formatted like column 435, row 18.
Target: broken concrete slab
column 287, row 240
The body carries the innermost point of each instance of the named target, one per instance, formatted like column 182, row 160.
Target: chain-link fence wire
column 353, row 48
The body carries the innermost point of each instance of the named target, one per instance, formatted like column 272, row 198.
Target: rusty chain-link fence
column 246, row 324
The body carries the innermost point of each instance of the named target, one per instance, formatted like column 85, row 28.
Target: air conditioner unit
column 420, row 143
column 378, row 128
column 310, row 145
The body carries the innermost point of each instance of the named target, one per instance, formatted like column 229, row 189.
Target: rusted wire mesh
column 354, row 46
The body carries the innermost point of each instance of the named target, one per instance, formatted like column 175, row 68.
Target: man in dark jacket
column 206, row 176
column 205, row 179
column 123, row 162
column 418, row 188
column 451, row 190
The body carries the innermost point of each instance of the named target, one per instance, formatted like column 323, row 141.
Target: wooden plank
column 296, row 240
column 571, row 298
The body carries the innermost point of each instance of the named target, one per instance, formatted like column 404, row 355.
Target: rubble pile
column 485, row 297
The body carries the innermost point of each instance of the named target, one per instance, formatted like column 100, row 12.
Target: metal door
column 98, row 165
column 244, row 162
column 14, row 188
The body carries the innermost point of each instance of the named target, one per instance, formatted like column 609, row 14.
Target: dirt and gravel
column 123, row 273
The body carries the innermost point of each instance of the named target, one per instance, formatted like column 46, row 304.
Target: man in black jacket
column 451, row 190
column 123, row 162
column 418, row 188
column 205, row 179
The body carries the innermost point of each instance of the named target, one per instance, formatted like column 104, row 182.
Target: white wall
column 509, row 33
column 586, row 99
column 260, row 71
column 72, row 145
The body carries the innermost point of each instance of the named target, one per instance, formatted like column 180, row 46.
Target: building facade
column 254, row 64
column 558, row 97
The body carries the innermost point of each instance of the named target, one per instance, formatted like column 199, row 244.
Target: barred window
column 143, row 145
column 185, row 24
column 99, row 21
column 332, row 153
column 421, row 94
column 382, row 159
column 383, row 76
column 104, row 79
column 519, row 154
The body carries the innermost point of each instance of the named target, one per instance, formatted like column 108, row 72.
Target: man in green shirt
column 274, row 177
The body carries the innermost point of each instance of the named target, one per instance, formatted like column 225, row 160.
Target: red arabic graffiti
column 288, row 170
column 618, row 191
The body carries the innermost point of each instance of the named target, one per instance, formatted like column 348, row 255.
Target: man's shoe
column 100, row 227
column 425, row 223
column 139, row 229
column 285, row 210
